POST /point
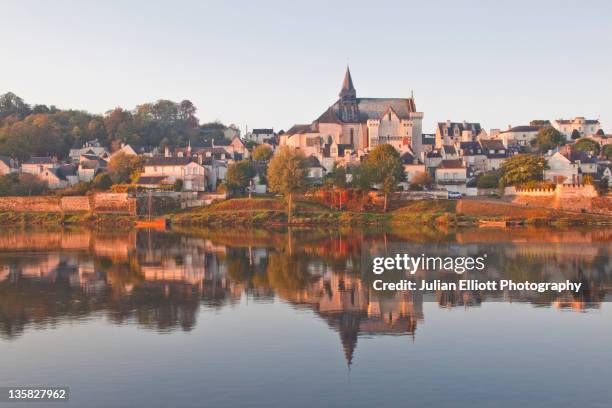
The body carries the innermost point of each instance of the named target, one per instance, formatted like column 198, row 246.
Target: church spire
column 348, row 90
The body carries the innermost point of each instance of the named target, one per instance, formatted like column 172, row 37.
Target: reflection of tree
column 288, row 274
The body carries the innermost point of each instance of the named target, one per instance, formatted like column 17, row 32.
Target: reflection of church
column 347, row 305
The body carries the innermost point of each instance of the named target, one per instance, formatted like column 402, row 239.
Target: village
column 457, row 159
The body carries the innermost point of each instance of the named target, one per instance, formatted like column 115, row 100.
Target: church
column 353, row 124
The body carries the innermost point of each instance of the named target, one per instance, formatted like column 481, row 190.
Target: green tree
column 522, row 168
column 539, row 122
column 102, row 181
column 21, row 184
column 575, row 134
column 361, row 181
column 547, row 138
column 124, row 168
column 178, row 185
column 239, row 175
column 287, row 175
column 337, row 176
column 262, row 153
column 587, row 146
column 607, row 151
column 386, row 168
column 488, row 180
column 600, row 132
column 12, row 105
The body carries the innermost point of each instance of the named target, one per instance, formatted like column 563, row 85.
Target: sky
column 277, row 63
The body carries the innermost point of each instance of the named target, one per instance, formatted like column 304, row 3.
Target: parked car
column 454, row 195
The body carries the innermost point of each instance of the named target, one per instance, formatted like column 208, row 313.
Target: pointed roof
column 348, row 90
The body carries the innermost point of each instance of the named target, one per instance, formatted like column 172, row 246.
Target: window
column 352, row 135
column 389, row 116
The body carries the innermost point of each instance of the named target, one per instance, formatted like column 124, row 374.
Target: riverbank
column 467, row 212
column 269, row 212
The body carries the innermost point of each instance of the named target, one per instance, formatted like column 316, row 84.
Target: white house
column 259, row 135
column 314, row 170
column 7, row 165
column 519, row 135
column 412, row 167
column 584, row 126
column 451, row 175
column 90, row 148
column 166, row 170
column 561, row 170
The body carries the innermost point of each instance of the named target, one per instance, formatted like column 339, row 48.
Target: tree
column 521, row 169
column 488, row 180
column 575, row 134
column 239, row 175
column 21, row 184
column 539, row 122
column 361, row 181
column 102, row 181
column 12, row 105
column 386, row 169
column 178, row 185
column 287, row 175
column 338, row 176
column 547, row 138
column 607, row 151
column 124, row 168
column 420, row 181
column 262, row 153
column 587, row 146
column 600, row 132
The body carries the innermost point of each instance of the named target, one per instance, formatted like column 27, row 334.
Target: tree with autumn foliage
column 287, row 175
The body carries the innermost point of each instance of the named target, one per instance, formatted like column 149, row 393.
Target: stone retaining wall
column 111, row 203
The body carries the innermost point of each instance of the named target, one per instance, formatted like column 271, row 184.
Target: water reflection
column 162, row 280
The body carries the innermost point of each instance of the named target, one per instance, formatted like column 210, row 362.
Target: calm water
column 257, row 318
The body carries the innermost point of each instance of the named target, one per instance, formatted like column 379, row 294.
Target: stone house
column 473, row 156
column 451, row 133
column 495, row 151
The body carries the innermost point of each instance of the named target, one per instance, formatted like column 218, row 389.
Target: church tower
column 349, row 109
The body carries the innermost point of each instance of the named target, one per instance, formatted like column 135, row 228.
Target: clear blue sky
column 273, row 64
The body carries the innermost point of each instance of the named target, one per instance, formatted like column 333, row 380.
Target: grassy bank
column 272, row 211
column 57, row 219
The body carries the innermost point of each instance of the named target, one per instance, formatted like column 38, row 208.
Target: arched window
column 389, row 116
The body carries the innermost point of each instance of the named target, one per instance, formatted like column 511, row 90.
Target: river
column 289, row 318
